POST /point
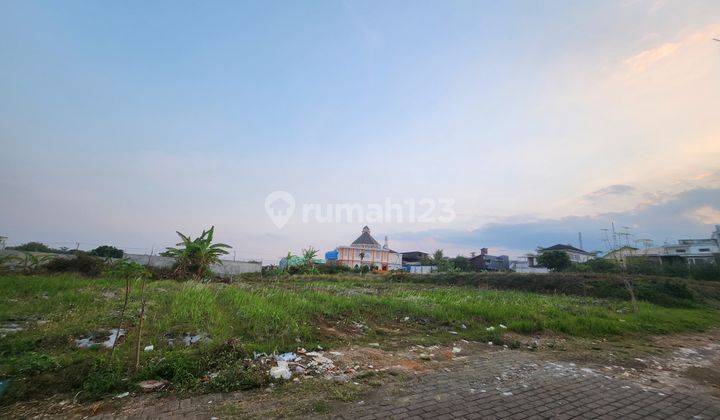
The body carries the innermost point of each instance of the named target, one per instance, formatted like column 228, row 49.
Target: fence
column 227, row 268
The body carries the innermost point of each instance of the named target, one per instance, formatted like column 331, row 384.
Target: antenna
column 605, row 239
column 625, row 234
column 614, row 235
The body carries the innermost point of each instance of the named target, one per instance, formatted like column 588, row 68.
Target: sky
column 522, row 122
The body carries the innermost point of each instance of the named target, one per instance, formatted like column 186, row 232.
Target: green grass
column 274, row 316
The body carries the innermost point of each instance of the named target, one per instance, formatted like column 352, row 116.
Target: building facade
column 621, row 254
column 485, row 262
column 692, row 251
column 366, row 251
column 576, row 255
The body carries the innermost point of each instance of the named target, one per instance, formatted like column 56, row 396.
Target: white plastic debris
column 286, row 357
column 122, row 395
column 152, row 385
column 149, row 348
column 115, row 334
column 281, row 371
column 456, row 350
column 503, row 326
column 490, row 329
column 374, row 344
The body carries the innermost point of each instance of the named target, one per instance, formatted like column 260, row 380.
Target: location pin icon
column 280, row 206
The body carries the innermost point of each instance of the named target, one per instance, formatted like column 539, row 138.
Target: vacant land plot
column 57, row 330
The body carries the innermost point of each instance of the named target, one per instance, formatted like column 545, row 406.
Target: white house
column 690, row 250
column 576, row 255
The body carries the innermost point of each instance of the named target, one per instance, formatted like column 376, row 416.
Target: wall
column 227, row 268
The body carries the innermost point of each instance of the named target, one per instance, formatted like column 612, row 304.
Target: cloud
column 688, row 48
column 708, row 215
column 617, row 189
column 684, row 215
column 645, row 59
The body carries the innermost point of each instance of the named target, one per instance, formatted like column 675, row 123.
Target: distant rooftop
column 561, row 247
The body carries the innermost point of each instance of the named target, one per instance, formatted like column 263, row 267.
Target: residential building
column 621, row 254
column 692, row 251
column 527, row 265
column 414, row 257
column 576, row 255
column 484, row 261
column 366, row 251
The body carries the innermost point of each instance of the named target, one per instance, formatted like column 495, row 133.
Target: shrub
column 105, row 377
column 32, row 247
column 677, row 268
column 81, row 263
column 705, row 271
column 602, row 265
column 195, row 256
column 33, row 363
column 107, row 251
column 644, row 266
column 660, row 290
column 555, row 260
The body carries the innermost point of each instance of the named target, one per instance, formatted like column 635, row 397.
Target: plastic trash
column 280, row 371
column 286, row 357
column 153, row 385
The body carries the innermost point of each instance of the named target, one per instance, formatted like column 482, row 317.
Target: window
column 680, row 250
column 704, row 250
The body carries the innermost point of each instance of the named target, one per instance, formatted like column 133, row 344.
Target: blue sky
column 121, row 123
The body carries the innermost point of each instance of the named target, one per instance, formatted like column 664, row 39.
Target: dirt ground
column 666, row 364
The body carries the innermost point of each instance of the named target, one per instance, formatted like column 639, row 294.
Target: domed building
column 366, row 251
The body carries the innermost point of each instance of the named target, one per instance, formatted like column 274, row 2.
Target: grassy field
column 273, row 315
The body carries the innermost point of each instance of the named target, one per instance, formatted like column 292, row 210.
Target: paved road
column 516, row 385
column 489, row 385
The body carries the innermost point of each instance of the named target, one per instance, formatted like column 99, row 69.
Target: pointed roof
column 561, row 247
column 365, row 239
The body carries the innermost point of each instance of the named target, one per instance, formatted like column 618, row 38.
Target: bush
column 602, row 265
column 644, row 266
column 660, row 290
column 107, row 251
column 32, row 247
column 705, row 271
column 554, row 260
column 82, row 263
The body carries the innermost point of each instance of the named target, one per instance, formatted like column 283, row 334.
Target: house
column 414, row 257
column 489, row 262
column 527, row 265
column 366, row 251
column 691, row 251
column 576, row 255
column 620, row 254
column 3, row 242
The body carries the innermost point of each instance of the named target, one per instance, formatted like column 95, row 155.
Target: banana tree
column 194, row 256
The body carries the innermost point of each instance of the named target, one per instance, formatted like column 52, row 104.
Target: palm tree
column 287, row 261
column 309, row 255
column 362, row 257
column 196, row 255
